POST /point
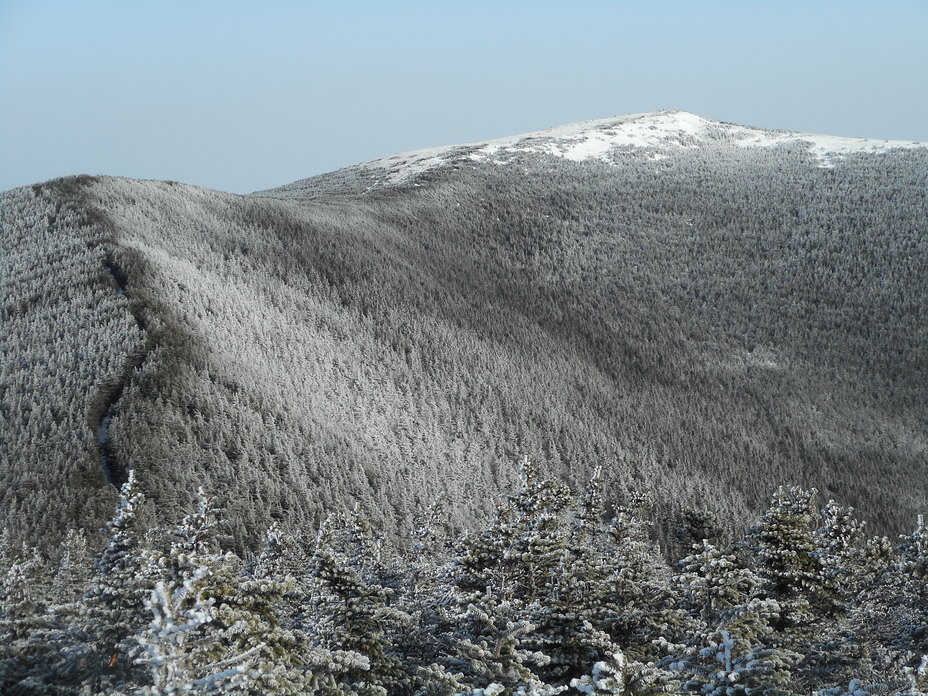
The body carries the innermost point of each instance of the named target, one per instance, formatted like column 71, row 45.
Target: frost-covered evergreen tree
column 619, row 675
column 114, row 608
column 174, row 641
column 841, row 561
column 300, row 612
column 429, row 547
column 214, row 628
column 270, row 560
column 730, row 665
column 733, row 651
column 813, row 564
column 690, row 528
column 847, row 568
column 495, row 648
column 519, row 556
column 644, row 605
column 790, row 568
column 24, row 621
column 570, row 619
column 6, row 552
column 913, row 643
column 354, row 619
column 887, row 635
column 71, row 575
column 71, row 658
column 713, row 584
column 41, row 651
column 530, row 585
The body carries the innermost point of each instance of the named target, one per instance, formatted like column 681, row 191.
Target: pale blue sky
column 241, row 96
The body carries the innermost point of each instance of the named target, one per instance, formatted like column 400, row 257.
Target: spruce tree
column 644, row 606
column 354, row 618
column 213, row 628
column 24, row 621
column 788, row 564
column 493, row 648
column 570, row 619
column 728, row 664
column 619, row 675
column 514, row 589
column 519, row 555
column 114, row 609
column 712, row 584
column 840, row 560
column 906, row 588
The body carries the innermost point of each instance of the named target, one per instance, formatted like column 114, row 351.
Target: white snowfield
column 661, row 132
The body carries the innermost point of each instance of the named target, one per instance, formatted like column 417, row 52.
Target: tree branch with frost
column 173, row 636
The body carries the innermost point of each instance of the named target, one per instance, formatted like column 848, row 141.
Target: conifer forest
column 549, row 597
column 602, row 409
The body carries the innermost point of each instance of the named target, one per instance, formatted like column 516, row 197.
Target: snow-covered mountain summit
column 656, row 133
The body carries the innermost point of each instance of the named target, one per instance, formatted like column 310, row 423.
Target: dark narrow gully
column 116, row 273
column 116, row 472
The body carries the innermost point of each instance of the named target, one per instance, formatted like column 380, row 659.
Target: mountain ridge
column 706, row 325
column 582, row 140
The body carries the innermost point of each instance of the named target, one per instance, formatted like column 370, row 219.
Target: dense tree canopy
column 679, row 320
column 549, row 597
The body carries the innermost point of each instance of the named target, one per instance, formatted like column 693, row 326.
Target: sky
column 242, row 96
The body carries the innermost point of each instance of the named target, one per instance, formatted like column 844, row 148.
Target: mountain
column 704, row 310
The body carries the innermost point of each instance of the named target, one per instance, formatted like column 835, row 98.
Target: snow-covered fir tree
column 24, row 621
column 355, row 619
column 213, row 628
column 619, row 675
column 788, row 565
column 643, row 603
column 712, row 584
column 729, row 664
column 114, row 608
column 529, row 583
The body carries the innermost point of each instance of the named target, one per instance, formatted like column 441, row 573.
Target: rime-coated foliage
column 546, row 600
column 64, row 335
column 678, row 321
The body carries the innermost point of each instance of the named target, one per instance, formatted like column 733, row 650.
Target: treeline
column 555, row 594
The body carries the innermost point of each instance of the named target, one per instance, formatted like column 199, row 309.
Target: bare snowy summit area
column 657, row 132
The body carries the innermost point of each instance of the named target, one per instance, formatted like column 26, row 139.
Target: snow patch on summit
column 660, row 132
column 598, row 139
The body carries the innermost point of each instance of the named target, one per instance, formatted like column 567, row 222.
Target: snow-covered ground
column 659, row 131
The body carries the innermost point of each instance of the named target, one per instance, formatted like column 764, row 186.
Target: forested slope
column 706, row 322
column 66, row 335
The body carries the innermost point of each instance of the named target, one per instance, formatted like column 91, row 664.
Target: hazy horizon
column 239, row 96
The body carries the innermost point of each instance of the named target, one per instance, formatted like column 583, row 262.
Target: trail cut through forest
column 116, row 473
